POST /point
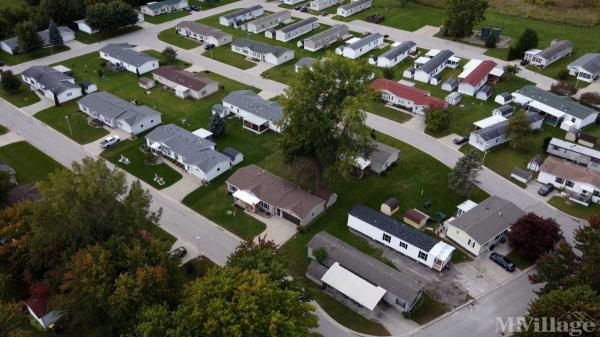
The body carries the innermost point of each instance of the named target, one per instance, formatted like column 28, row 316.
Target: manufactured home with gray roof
column 268, row 21
column 358, row 280
column 559, row 110
column 53, row 84
column 197, row 155
column 258, row 114
column 354, row 7
column 494, row 135
column 237, row 18
column 433, row 66
column 262, row 52
column 483, row 225
column 296, row 29
column 118, row 113
column 162, row 7
column 11, row 45
column 554, row 52
column 326, row 38
column 586, row 68
column 395, row 55
column 124, row 56
column 360, row 47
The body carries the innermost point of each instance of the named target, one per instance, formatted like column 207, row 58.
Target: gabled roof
column 299, row 24
column 436, row 61
column 44, row 35
column 337, row 31
column 479, row 73
column 160, row 4
column 366, row 267
column 382, row 152
column 588, row 62
column 365, row 41
column 561, row 103
column 202, row 29
column 488, row 219
column 231, row 152
column 305, row 62
column 241, row 12
column 259, row 47
column 393, row 227
column 418, row 96
column 113, row 107
column 274, row 190
column 499, row 129
column 398, row 50
column 270, row 17
column 124, row 52
column 584, row 150
column 555, row 48
column 184, row 78
column 354, row 4
column 195, row 150
column 248, row 100
column 569, row 171
column 50, row 78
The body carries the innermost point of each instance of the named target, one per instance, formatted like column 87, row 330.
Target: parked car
column 187, row 9
column 503, row 262
column 178, row 252
column 546, row 189
column 209, row 46
column 194, row 8
column 460, row 140
column 1, row 64
column 304, row 9
column 324, row 14
column 298, row 7
column 110, row 141
column 524, row 63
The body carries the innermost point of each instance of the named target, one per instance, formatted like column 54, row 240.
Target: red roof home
column 417, row 96
column 38, row 303
column 479, row 73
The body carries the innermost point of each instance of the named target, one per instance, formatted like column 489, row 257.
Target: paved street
column 199, row 233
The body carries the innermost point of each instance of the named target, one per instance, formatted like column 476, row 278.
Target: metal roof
column 337, row 31
column 588, row 62
column 113, row 107
column 555, row 48
column 248, row 100
column 393, row 227
column 202, row 29
column 365, row 41
column 241, row 12
column 160, row 4
column 436, row 61
column 299, row 24
column 50, row 78
column 366, row 267
column 398, row 50
column 354, row 4
column 561, row 103
column 259, row 47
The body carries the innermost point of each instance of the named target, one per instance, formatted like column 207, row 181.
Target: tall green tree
column 491, row 41
column 234, row 303
column 436, row 120
column 528, row 40
column 324, row 118
column 28, row 37
column 556, row 269
column 108, row 16
column 261, row 256
column 463, row 177
column 511, row 70
column 216, row 125
column 54, row 35
column 5, row 186
column 9, row 82
column 519, row 130
column 63, row 12
column 463, row 15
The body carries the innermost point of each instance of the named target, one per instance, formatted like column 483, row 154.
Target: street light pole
column 69, row 124
column 198, row 246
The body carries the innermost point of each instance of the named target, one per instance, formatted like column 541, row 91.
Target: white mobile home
column 361, row 47
column 395, row 55
column 495, row 134
column 203, row 33
column 53, row 84
column 586, row 68
column 162, row 7
column 433, row 66
column 404, row 239
column 296, row 29
column 326, row 38
column 581, row 183
column 543, row 58
column 261, row 52
column 268, row 21
column 318, row 5
column 123, row 56
column 237, row 18
column 354, row 7
column 258, row 114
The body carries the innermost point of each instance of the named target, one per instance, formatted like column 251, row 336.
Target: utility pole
column 69, row 124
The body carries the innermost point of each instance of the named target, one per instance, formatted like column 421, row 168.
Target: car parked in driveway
column 110, row 141
column 178, row 252
column 460, row 140
column 546, row 189
column 503, row 262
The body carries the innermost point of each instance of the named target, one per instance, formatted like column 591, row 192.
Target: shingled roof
column 184, row 78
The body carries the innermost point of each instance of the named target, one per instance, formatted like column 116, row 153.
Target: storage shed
column 415, row 218
column 390, row 206
column 146, row 83
column 535, row 163
column 521, row 175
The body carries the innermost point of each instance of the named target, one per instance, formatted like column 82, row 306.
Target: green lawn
column 389, row 113
column 344, row 315
column 225, row 55
column 519, row 261
column 101, row 36
column 80, row 129
column 170, row 36
column 30, row 163
column 20, row 98
column 165, row 17
column 428, row 309
column 503, row 158
column 12, row 3
column 12, row 60
column 576, row 210
column 204, row 5
column 137, row 166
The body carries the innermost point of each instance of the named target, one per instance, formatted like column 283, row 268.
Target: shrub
column 9, row 82
column 563, row 88
column 591, row 98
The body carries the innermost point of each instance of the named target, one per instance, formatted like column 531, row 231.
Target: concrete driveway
column 278, row 230
column 94, row 147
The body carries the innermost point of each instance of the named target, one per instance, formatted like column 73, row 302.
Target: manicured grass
column 31, row 164
column 345, row 316
column 137, row 166
column 12, row 60
column 470, row 109
column 389, row 113
column 20, row 98
column 101, row 36
column 225, row 55
column 428, row 309
column 165, row 17
column 80, row 129
column 519, row 261
column 161, row 234
column 212, row 200
column 503, row 158
column 170, row 36
column 204, row 5
column 576, row 210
